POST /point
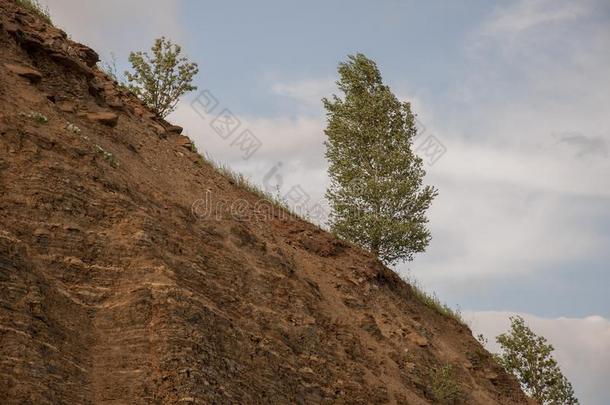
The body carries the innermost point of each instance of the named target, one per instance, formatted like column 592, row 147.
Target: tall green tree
column 376, row 193
column 529, row 357
column 161, row 78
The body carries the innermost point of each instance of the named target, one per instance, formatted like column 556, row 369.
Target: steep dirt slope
column 113, row 292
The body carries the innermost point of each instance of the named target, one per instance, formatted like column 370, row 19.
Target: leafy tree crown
column 160, row 79
column 376, row 193
column 529, row 357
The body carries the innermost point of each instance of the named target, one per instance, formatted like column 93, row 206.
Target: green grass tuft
column 445, row 388
column 35, row 7
column 244, row 183
column 37, row 117
column 109, row 157
column 433, row 302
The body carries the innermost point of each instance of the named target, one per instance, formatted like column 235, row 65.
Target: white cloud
column 542, row 167
column 486, row 230
column 298, row 140
column 583, row 145
column 582, row 347
column 523, row 15
column 308, row 91
column 513, row 197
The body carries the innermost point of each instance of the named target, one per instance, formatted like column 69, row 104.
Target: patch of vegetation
column 193, row 148
column 445, row 388
column 376, row 190
column 110, row 68
column 243, row 182
column 73, row 128
column 433, row 302
column 529, row 358
column 112, row 71
column 109, row 157
column 36, row 117
column 200, row 161
column 160, row 79
column 35, row 7
column 482, row 339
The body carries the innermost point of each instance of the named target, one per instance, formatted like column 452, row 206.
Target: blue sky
column 516, row 92
column 295, row 40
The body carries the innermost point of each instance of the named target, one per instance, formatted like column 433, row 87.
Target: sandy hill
column 113, row 292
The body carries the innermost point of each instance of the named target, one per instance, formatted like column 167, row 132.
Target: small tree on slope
column 159, row 80
column 376, row 190
column 529, row 358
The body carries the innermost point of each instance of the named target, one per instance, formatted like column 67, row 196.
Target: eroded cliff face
column 112, row 291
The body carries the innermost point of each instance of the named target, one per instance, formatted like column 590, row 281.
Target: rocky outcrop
column 173, row 129
column 104, row 117
column 32, row 75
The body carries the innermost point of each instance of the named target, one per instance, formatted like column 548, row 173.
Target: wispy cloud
column 525, row 15
column 307, row 91
column 513, row 199
column 583, row 145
